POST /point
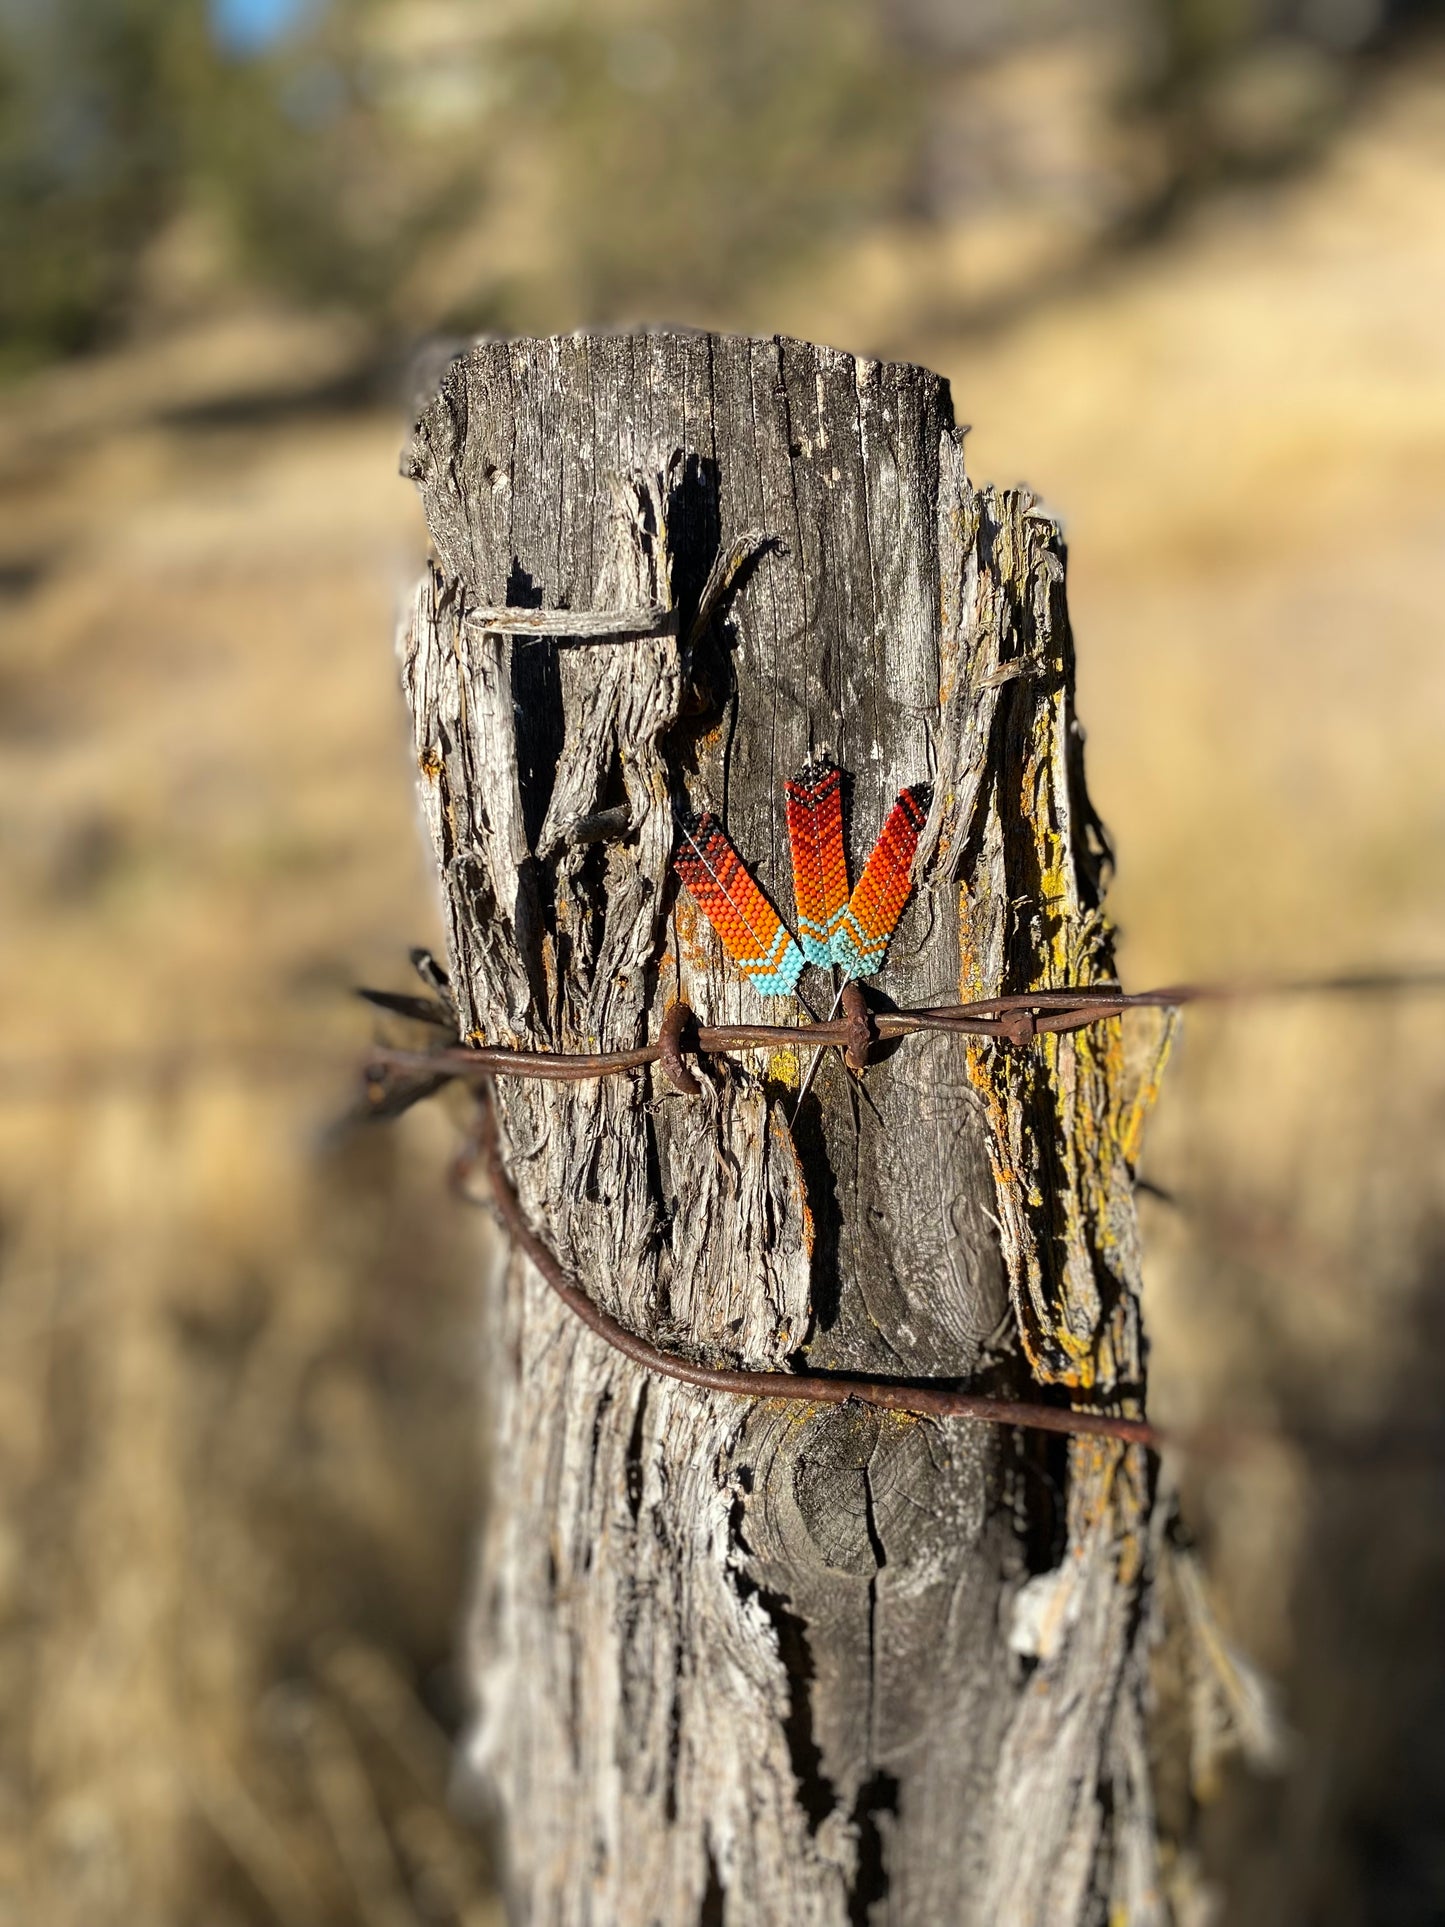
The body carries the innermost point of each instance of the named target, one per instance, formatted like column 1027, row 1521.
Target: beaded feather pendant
column 750, row 929
column 820, row 862
column 881, row 892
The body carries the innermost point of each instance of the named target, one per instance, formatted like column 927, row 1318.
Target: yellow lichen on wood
column 782, row 1068
column 1064, row 1114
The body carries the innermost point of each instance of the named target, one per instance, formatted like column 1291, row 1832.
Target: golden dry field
column 238, row 1371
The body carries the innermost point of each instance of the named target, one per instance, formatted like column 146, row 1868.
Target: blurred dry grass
column 237, row 1418
column 237, row 1376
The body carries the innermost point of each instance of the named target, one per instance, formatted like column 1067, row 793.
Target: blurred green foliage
column 469, row 163
column 678, row 156
column 119, row 116
column 702, row 144
column 88, row 158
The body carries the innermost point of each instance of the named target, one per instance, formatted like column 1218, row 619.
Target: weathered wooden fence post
column 736, row 1660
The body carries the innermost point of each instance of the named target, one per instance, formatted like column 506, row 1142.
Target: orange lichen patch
column 946, row 840
column 972, row 920
column 1109, row 1491
column 1130, row 1553
column 1146, row 1091
column 784, row 1139
column 693, row 931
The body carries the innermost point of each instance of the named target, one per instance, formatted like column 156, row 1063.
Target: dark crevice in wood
column 576, row 1734
column 632, row 1472
column 821, row 1180
column 1044, row 1464
column 817, row 1795
column 694, row 532
column 870, row 1521
column 537, row 693
column 674, row 1751
column 713, row 1911
column 587, row 889
column 877, row 1797
column 880, row 1791
column 599, row 1422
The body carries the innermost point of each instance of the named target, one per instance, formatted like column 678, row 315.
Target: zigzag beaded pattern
column 820, row 861
column 881, row 892
column 749, row 928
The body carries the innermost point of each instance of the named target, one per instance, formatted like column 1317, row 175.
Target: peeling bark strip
column 739, row 1661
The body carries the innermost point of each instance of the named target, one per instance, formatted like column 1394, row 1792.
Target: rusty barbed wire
column 808, row 1388
column 395, row 1079
column 1013, row 1020
column 39, row 1075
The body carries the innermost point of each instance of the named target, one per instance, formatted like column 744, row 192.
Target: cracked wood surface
column 737, row 1662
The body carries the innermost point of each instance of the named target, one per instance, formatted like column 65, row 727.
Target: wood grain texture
column 735, row 1662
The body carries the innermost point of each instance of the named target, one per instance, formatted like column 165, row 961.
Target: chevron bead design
column 881, row 892
column 749, row 928
column 820, row 861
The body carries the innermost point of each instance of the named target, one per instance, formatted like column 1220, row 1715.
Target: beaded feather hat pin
column 836, row 929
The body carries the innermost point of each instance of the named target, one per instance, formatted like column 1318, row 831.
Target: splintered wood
column 736, row 1660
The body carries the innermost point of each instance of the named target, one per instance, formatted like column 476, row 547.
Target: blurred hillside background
column 1184, row 262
